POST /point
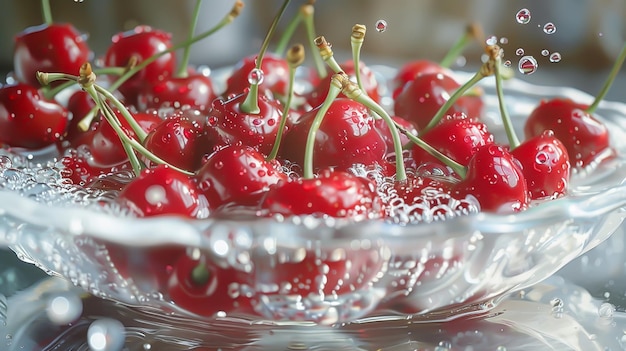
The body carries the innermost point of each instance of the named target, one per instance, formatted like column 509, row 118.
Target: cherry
column 495, row 178
column 80, row 169
column 412, row 69
column 79, row 105
column 132, row 47
column 28, row 119
column 421, row 99
column 385, row 132
column 333, row 193
column 237, row 174
column 455, row 136
column 205, row 287
column 346, row 136
column 55, row 47
column 585, row 137
column 179, row 141
column 275, row 71
column 195, row 91
column 545, row 164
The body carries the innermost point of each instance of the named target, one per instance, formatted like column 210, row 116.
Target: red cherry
column 162, row 190
column 79, row 104
column 545, row 164
column 495, row 178
column 383, row 130
column 457, row 137
column 412, row 69
column 179, row 141
column 237, row 174
column 81, row 170
column 57, row 47
column 370, row 85
column 141, row 43
column 346, row 136
column 233, row 126
column 333, row 193
column 195, row 91
column 275, row 76
column 204, row 287
column 28, row 119
column 585, row 137
column 422, row 97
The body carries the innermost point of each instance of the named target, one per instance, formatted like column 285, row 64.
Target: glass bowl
column 430, row 271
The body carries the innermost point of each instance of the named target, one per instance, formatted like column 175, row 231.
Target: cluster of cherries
column 197, row 152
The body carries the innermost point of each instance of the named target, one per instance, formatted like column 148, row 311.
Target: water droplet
column 64, row 308
column 555, row 57
column 527, row 65
column 504, row 40
column 106, row 334
column 523, row 16
column 492, row 40
column 256, row 76
column 549, row 28
column 545, row 52
column 606, row 310
column 381, row 25
column 507, row 63
column 519, row 52
column 78, row 0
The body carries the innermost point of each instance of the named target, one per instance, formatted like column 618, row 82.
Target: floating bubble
column 381, row 25
column 106, row 334
column 504, row 40
column 523, row 16
column 549, row 28
column 555, row 57
column 545, row 52
column 527, row 65
column 492, row 40
column 519, row 52
column 256, row 76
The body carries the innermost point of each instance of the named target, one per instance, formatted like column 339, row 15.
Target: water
column 527, row 65
column 256, row 76
column 381, row 25
column 523, row 16
column 549, row 28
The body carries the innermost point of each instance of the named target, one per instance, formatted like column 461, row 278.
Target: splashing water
column 256, row 76
column 523, row 16
column 527, row 65
column 106, row 334
column 381, row 25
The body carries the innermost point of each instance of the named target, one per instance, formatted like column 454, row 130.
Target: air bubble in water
column 519, row 52
column 523, row 16
column 527, row 65
column 545, row 52
column 256, row 76
column 106, row 334
column 555, row 57
column 549, row 28
column 381, row 25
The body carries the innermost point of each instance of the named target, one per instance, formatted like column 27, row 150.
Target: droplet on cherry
column 523, row 16
column 555, row 57
column 256, row 76
column 527, row 65
column 549, row 28
column 381, row 25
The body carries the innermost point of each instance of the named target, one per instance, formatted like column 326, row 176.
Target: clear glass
column 433, row 271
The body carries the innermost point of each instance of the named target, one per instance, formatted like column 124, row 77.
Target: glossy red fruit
column 163, row 190
column 193, row 91
column 204, row 287
column 422, row 97
column 333, row 193
column 383, row 130
column 79, row 105
column 585, row 137
column 179, row 141
column 81, row 170
column 139, row 44
column 370, row 85
column 457, row 137
column 237, row 174
column 275, row 76
column 57, row 47
column 495, row 178
column 412, row 69
column 28, row 119
column 545, row 164
column 230, row 125
column 345, row 137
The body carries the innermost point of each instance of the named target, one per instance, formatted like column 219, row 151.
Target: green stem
column 457, row 94
column 309, row 24
column 333, row 92
column 52, row 92
column 283, row 120
column 472, row 32
column 182, row 68
column 356, row 41
column 139, row 132
column 506, row 119
column 251, row 103
column 288, row 34
column 46, row 12
column 609, row 81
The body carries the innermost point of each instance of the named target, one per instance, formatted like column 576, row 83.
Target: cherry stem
column 506, row 119
column 288, row 33
column 250, row 105
column 295, row 57
column 353, row 92
column 472, row 32
column 336, row 84
column 182, row 69
column 609, row 81
column 46, row 12
column 236, row 9
column 356, row 41
column 309, row 24
column 326, row 52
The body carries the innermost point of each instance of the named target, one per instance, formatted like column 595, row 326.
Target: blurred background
column 589, row 33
